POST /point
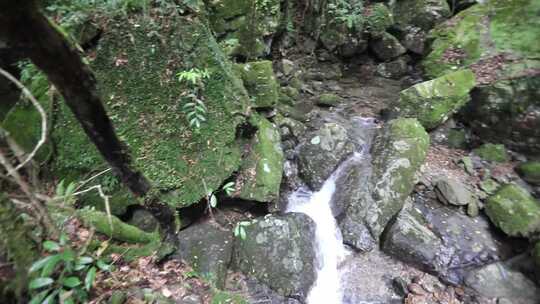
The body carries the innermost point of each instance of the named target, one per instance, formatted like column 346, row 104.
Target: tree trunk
column 24, row 29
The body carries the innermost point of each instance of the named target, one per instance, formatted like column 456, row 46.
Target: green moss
column 492, row 153
column 457, row 139
column 260, row 82
column 329, row 99
column 222, row 297
column 261, row 172
column 136, row 75
column 433, row 102
column 17, row 245
column 482, row 31
column 119, row 230
column 514, row 211
column 378, row 19
column 530, row 172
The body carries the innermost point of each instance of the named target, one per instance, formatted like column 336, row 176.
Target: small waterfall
column 329, row 242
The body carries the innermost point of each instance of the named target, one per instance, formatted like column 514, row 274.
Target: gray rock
column 414, row 39
column 443, row 240
column 393, row 69
column 387, row 47
column 144, row 220
column 208, row 249
column 352, row 47
column 424, row 14
column 453, row 192
column 499, row 281
column 279, row 252
column 321, row 152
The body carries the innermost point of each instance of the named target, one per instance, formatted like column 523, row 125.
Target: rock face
column 321, row 153
column 279, row 252
column 260, row 174
column 508, row 112
column 442, row 239
column 501, row 282
column 245, row 27
column 398, row 152
column 514, row 211
column 433, row 102
column 138, row 83
column 260, row 82
column 208, row 249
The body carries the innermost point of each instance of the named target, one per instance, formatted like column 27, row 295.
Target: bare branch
column 42, row 113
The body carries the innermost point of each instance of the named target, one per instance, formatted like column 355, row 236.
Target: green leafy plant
column 64, row 276
column 349, row 12
column 240, row 230
column 195, row 108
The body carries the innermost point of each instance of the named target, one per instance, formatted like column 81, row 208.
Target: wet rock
column 514, row 211
column 321, row 152
column 499, row 281
column 260, row 82
column 208, row 249
column 260, row 174
column 279, row 252
column 424, row 14
column 414, row 39
column 453, row 192
column 329, row 100
column 387, row 47
column 442, row 240
column 433, row 102
column 144, row 220
column 492, row 153
column 260, row 293
column 353, row 46
column 393, row 69
column 530, row 172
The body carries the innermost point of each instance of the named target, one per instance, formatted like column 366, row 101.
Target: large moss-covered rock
column 279, row 252
column 208, row 249
column 260, row 82
column 493, row 153
column 243, row 25
column 490, row 31
column 530, row 172
column 433, row 102
column 261, row 171
column 420, row 13
column 507, row 111
column 321, row 152
column 514, row 211
column 136, row 73
column 398, row 152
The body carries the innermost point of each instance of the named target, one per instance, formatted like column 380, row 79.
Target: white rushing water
column 330, row 249
column 329, row 242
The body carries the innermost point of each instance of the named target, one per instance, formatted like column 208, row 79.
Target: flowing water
column 329, row 245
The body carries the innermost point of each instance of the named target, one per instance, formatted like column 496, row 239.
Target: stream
column 330, row 250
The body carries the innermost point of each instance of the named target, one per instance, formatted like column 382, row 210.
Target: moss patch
column 492, row 153
column 136, row 68
column 260, row 82
column 433, row 102
column 514, row 211
column 530, row 172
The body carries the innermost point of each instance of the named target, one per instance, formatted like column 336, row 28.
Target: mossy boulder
column 260, row 82
column 243, row 25
column 136, row 74
column 514, row 211
column 279, row 252
column 492, row 153
column 259, row 178
column 424, row 14
column 378, row 18
column 398, row 152
column 487, row 32
column 507, row 111
column 329, row 100
column 530, row 172
column 433, row 102
column 386, row 47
